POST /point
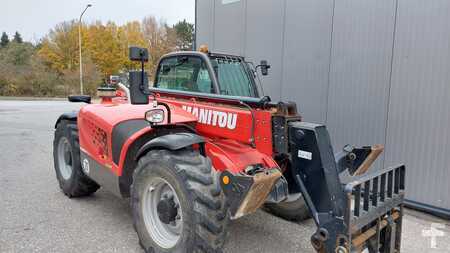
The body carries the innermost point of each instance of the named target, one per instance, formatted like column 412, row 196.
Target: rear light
column 155, row 116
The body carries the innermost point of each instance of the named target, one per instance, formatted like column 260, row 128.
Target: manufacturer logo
column 212, row 117
column 85, row 166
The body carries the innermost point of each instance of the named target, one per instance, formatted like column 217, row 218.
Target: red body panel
column 96, row 122
column 227, row 154
column 227, row 130
column 210, row 126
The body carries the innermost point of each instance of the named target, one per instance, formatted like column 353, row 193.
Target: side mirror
column 138, row 79
column 138, row 54
column 138, row 88
column 264, row 68
column 79, row 98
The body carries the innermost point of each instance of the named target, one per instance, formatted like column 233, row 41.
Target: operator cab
column 205, row 73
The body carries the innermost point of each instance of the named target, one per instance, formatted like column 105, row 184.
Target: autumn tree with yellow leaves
column 51, row 67
column 106, row 45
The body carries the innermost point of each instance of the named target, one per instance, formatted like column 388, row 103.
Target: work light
column 155, row 116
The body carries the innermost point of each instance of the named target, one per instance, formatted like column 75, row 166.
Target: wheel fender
column 67, row 116
column 173, row 141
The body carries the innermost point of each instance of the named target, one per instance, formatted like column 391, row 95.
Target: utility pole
column 79, row 45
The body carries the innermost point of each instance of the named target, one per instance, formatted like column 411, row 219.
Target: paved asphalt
column 36, row 217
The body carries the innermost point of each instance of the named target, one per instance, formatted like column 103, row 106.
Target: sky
column 33, row 19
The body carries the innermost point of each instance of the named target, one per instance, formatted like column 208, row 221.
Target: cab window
column 184, row 73
column 234, row 78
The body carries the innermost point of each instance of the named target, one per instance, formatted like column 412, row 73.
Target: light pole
column 79, row 45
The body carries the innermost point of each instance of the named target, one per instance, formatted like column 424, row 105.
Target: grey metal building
column 374, row 71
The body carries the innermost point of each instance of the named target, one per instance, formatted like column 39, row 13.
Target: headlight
column 155, row 116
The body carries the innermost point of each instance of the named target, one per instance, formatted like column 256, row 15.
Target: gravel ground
column 36, row 217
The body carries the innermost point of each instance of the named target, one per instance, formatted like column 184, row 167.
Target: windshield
column 233, row 76
column 184, row 73
column 191, row 73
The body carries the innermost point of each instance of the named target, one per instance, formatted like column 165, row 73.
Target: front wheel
column 177, row 203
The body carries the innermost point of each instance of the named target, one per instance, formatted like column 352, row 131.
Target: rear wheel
column 177, row 203
column 293, row 210
column 66, row 155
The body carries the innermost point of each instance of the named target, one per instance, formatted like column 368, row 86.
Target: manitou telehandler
column 202, row 146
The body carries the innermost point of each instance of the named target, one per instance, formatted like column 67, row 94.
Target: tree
column 185, row 35
column 17, row 38
column 104, row 47
column 4, row 40
column 59, row 49
column 128, row 35
column 51, row 67
column 16, row 70
column 160, row 38
column 17, row 54
column 59, row 52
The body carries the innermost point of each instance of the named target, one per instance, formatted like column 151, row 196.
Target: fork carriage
column 351, row 213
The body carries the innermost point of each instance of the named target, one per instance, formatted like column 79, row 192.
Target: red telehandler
column 202, row 146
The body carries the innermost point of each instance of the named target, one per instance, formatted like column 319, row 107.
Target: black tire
column 202, row 202
column 77, row 184
column 292, row 211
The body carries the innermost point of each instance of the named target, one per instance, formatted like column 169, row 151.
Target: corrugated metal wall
column 374, row 71
column 419, row 110
column 306, row 56
column 268, row 24
column 360, row 71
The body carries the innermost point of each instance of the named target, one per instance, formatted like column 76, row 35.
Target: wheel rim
column 165, row 235
column 65, row 158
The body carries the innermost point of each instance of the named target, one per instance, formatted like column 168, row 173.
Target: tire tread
column 210, row 210
column 81, row 185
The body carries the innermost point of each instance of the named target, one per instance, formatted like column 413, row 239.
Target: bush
column 24, row 73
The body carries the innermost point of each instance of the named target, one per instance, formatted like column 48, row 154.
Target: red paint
column 228, row 154
column 105, row 117
column 227, row 129
column 242, row 131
